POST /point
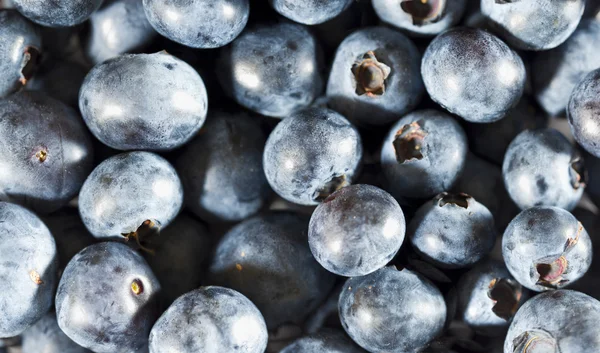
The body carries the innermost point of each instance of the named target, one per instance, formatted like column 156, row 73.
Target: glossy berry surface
column 325, row 341
column 473, row 74
column 45, row 336
column 310, row 12
column 65, row 13
column 546, row 248
column 584, row 113
column 311, row 154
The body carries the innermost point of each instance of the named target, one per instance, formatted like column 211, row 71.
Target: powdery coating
column 28, row 269
column 267, row 259
column 473, row 74
column 45, row 336
column 143, row 102
column 403, row 87
column 222, row 171
column 17, row 35
column 534, row 25
column 584, row 113
column 556, row 72
column 391, row 311
column 356, row 230
column 310, row 153
column 45, row 151
column 539, row 235
column 310, row 12
column 444, row 151
column 118, row 27
column 451, row 235
column 391, row 12
column 96, row 305
column 325, row 341
column 126, row 190
column 272, row 70
column 60, row 80
column 538, row 170
column 63, row 13
column 210, row 319
column 569, row 317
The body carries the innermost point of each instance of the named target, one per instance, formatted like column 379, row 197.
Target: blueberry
column 310, row 12
column 106, row 299
column 420, row 18
column 17, row 35
column 28, row 269
column 556, row 72
column 64, row 13
column 556, row 321
column 593, row 170
column 534, row 25
column 423, row 154
column 488, row 298
column 118, row 27
column 267, row 259
column 375, row 76
column 541, row 168
column 143, row 102
column 47, row 154
column 326, row 341
column 584, row 113
column 473, row 74
column 356, row 230
column 222, row 170
column 546, row 248
column 392, row 311
column 272, row 70
column 45, row 336
column 130, row 195
column 452, row 231
column 210, row 319
column 60, row 80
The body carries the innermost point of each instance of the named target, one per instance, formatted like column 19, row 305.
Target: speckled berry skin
column 118, row 27
column 45, row 151
column 403, row 87
column 356, row 230
column 534, row 25
column 542, row 168
column 198, row 24
column 325, row 341
column 210, row 319
column 267, row 259
column 584, row 113
column 310, row 154
column 64, row 13
column 543, row 235
column 126, row 190
column 97, row 304
column 310, row 12
column 28, row 270
column 556, row 72
column 431, row 168
column 143, row 102
column 45, row 336
column 392, row 310
column 272, row 70
column 222, row 169
column 17, row 35
column 452, row 231
column 563, row 321
column 391, row 12
column 473, row 74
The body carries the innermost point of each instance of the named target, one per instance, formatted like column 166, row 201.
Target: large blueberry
column 63, row 13
column 310, row 12
column 375, row 76
column 45, row 336
column 584, row 113
column 143, row 102
column 325, row 341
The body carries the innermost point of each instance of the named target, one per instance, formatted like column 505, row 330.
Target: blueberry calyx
column 551, row 272
column 35, row 277
column 408, row 142
column 137, row 287
column 370, row 75
column 535, row 341
column 577, row 172
column 506, row 295
column 424, row 11
column 461, row 199
column 41, row 155
column 147, row 229
column 331, row 186
column 29, row 64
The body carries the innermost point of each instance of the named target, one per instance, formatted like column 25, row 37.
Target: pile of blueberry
column 299, row 176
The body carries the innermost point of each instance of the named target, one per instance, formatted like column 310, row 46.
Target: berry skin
column 546, row 248
column 64, row 13
column 311, row 154
column 60, row 80
column 198, row 24
column 326, row 341
column 473, row 74
column 45, row 336
column 584, row 113
column 375, row 76
column 129, row 102
column 356, row 230
column 310, row 12
column 210, row 319
column 542, row 168
column 28, row 269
